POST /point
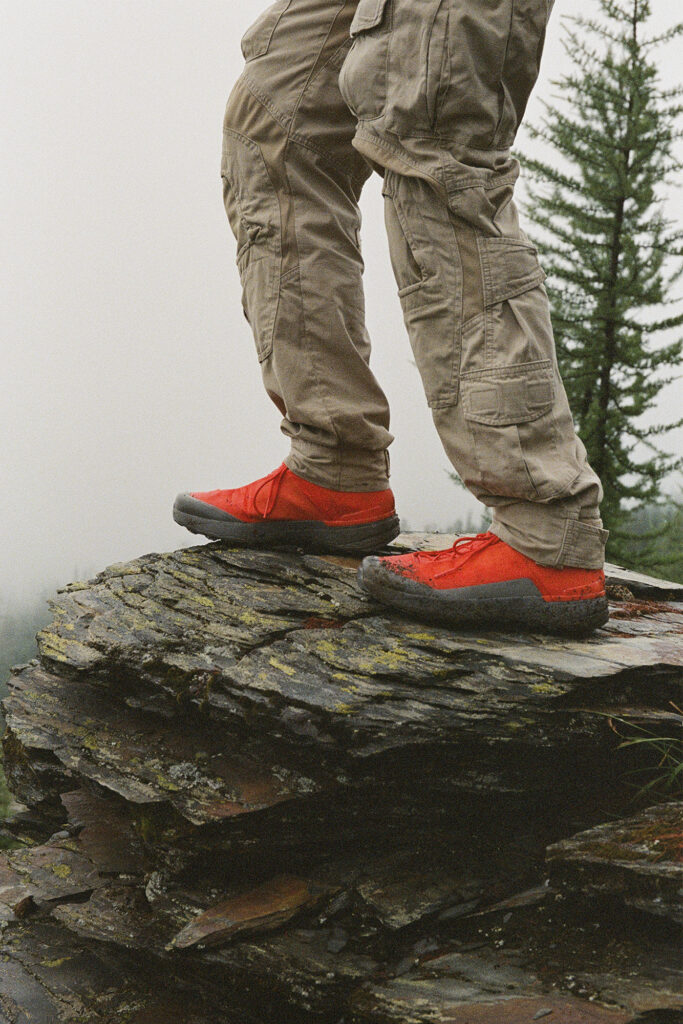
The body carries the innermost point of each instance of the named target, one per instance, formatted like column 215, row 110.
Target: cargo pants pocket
column 257, row 38
column 254, row 214
column 514, row 403
column 508, row 410
column 364, row 73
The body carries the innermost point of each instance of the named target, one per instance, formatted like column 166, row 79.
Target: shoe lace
column 463, row 548
column 273, row 482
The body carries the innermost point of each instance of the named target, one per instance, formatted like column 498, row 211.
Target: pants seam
column 293, row 135
column 283, row 119
column 314, row 65
column 381, row 143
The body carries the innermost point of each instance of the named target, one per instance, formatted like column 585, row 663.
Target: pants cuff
column 551, row 540
column 340, row 469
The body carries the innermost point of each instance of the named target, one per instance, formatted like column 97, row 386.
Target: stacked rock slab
column 251, row 792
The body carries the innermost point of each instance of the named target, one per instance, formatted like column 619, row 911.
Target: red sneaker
column 283, row 510
column 482, row 580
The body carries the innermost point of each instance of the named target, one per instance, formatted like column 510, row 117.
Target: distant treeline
column 18, row 628
column 460, row 527
column 655, row 538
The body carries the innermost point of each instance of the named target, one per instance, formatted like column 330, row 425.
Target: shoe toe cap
column 192, row 504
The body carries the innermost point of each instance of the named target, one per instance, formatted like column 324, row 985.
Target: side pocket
column 519, row 449
column 509, row 395
column 363, row 76
column 514, row 312
column 254, row 213
column 509, row 266
column 521, row 430
column 256, row 40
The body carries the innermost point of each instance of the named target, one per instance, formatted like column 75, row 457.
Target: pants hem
column 340, row 469
column 551, row 540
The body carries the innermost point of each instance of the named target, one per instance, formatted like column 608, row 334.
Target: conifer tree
column 608, row 248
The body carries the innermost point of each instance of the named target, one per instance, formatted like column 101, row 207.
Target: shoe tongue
column 467, row 546
column 461, row 546
column 478, row 540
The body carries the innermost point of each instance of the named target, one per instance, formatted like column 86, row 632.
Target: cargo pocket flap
column 500, row 403
column 369, row 14
column 256, row 41
column 510, row 267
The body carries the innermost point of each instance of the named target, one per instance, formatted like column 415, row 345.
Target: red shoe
column 482, row 580
column 283, row 510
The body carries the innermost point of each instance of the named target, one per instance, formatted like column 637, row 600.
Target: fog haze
column 130, row 372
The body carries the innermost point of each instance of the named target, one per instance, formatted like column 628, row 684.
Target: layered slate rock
column 249, row 780
column 638, row 860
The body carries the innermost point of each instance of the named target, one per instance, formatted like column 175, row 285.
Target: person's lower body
column 430, row 94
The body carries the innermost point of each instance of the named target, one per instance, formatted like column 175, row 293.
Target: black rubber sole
column 309, row 535
column 491, row 605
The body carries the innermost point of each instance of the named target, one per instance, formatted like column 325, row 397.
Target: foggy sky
column 129, row 370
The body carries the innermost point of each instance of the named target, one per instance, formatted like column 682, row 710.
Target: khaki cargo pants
column 429, row 93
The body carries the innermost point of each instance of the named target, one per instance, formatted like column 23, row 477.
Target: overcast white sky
column 129, row 371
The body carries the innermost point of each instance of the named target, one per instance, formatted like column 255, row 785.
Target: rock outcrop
column 253, row 795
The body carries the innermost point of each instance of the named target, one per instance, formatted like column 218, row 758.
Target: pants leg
column 291, row 181
column 439, row 88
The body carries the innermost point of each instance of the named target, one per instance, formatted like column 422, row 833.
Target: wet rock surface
column 251, row 793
